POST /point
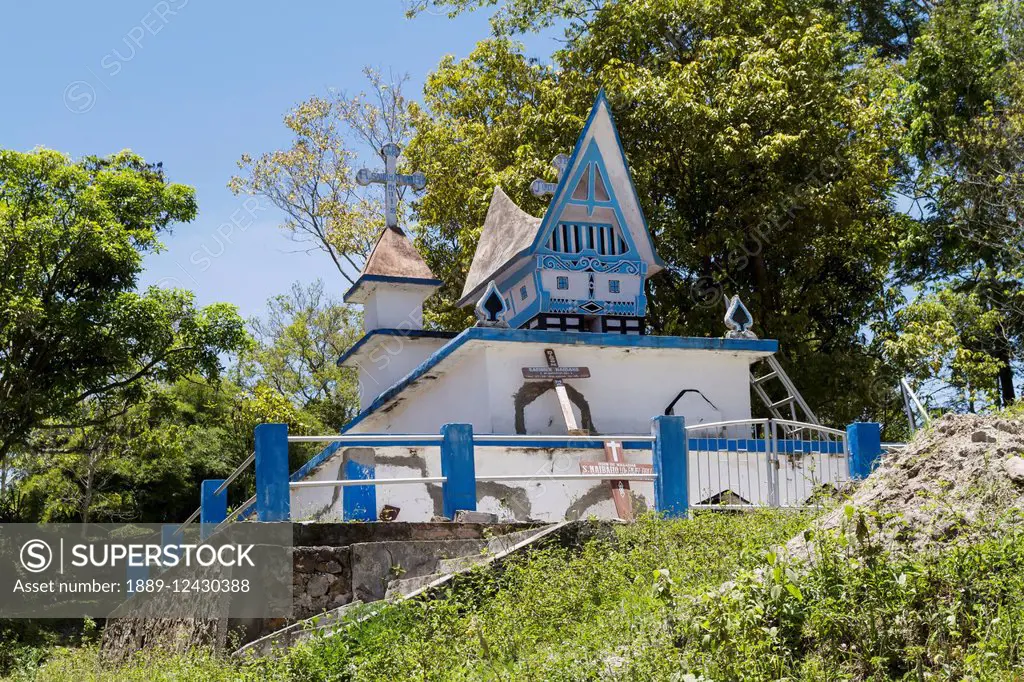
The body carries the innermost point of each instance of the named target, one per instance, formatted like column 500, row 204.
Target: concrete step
column 462, row 563
column 397, row 589
column 404, row 586
column 375, row 564
column 288, row 637
column 495, row 545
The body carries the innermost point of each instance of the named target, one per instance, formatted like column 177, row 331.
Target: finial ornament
column 739, row 320
column 491, row 308
column 392, row 180
column 540, row 188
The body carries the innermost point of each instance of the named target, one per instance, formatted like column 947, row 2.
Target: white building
column 571, row 283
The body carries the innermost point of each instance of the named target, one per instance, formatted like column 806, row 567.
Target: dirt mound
column 962, row 470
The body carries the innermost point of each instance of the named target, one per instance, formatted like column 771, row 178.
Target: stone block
column 465, row 516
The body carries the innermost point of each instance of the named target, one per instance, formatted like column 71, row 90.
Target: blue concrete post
column 273, row 501
column 864, row 447
column 359, row 502
column 170, row 540
column 671, row 491
column 458, row 464
column 213, row 507
column 135, row 573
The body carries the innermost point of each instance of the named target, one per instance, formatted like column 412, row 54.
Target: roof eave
column 362, row 287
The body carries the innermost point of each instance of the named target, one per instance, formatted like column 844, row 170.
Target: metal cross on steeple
column 392, row 180
column 539, row 188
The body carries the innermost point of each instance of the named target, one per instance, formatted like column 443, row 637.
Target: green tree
column 762, row 139
column 144, row 461
column 313, row 181
column 73, row 328
column 965, row 171
column 298, row 345
column 943, row 341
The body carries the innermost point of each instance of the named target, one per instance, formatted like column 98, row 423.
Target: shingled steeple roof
column 393, row 260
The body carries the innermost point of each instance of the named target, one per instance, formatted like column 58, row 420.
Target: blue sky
column 195, row 84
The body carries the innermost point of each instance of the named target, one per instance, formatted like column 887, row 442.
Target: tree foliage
column 965, row 171
column 298, row 345
column 762, row 138
column 313, row 181
column 73, row 328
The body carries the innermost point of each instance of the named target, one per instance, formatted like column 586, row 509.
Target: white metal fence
column 764, row 463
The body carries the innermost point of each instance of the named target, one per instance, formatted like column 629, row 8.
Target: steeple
column 581, row 267
column 393, row 285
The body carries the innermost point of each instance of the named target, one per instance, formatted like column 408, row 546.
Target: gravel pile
column 963, row 470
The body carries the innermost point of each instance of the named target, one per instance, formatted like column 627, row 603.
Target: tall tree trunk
column 3, row 475
column 1007, row 393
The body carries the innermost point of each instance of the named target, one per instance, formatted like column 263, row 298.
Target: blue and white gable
column 597, row 190
column 587, row 258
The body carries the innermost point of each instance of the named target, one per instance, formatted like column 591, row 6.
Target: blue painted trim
column 359, row 502
column 601, row 100
column 388, row 279
column 557, row 210
column 671, row 464
column 785, row 447
column 505, row 285
column 529, row 312
column 458, row 465
column 568, row 443
column 317, row 459
column 629, row 175
column 865, row 442
column 405, row 333
column 273, row 497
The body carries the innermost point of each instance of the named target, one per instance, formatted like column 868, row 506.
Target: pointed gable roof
column 510, row 233
column 508, row 230
column 394, row 259
column 395, row 256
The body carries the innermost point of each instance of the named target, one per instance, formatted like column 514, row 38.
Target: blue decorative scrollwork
column 591, row 263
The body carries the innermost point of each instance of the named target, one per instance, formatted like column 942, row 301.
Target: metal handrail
column 190, row 519
column 766, row 422
column 221, row 488
column 732, row 422
column 497, row 437
column 361, row 437
column 235, row 474
column 366, row 481
column 917, row 403
column 238, row 512
column 570, row 477
column 814, row 427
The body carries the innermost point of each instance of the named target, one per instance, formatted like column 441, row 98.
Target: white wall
column 388, row 359
column 746, row 474
column 395, row 307
column 628, row 386
column 478, row 383
column 457, row 393
column 544, row 500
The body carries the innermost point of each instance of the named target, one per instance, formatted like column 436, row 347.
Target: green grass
column 674, row 600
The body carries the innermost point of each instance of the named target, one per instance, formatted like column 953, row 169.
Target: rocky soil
column 962, row 470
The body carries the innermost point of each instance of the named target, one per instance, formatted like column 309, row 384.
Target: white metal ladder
column 792, row 399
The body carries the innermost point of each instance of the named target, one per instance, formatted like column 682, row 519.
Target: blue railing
column 669, row 443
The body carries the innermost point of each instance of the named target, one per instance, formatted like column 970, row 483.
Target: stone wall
column 322, row 580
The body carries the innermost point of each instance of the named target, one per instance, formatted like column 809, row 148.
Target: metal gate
column 764, row 463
